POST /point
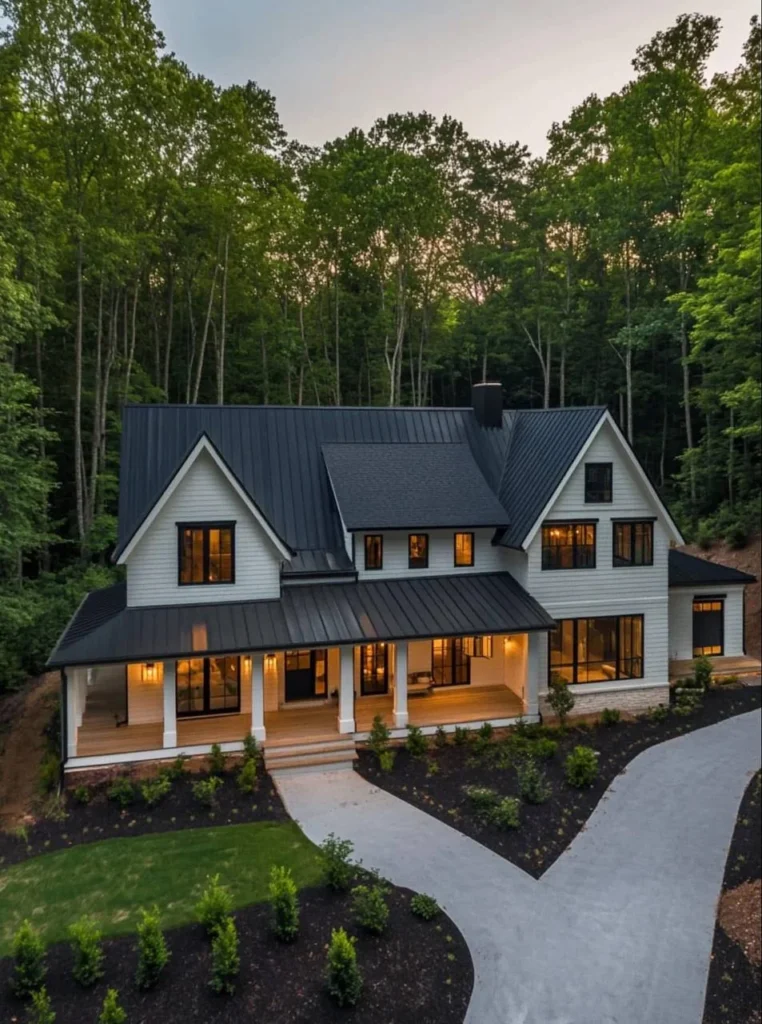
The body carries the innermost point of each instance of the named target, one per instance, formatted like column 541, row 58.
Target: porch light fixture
column 270, row 661
column 150, row 672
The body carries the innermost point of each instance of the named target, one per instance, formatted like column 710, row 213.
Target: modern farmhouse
column 292, row 572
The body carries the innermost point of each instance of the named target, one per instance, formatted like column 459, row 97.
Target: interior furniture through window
column 463, row 549
column 374, row 668
column 450, row 665
column 598, row 482
column 374, row 551
column 633, row 543
column 568, row 546
column 418, row 551
column 207, row 686
column 708, row 626
column 596, row 650
column 206, row 553
column 306, row 675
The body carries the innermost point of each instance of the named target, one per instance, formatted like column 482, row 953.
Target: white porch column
column 347, row 690
column 257, row 697
column 72, row 684
column 533, row 669
column 170, row 706
column 400, row 686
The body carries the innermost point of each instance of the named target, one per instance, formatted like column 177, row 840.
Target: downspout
column 64, row 726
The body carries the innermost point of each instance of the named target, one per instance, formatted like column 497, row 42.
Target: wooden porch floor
column 736, row 665
column 101, row 737
column 442, row 707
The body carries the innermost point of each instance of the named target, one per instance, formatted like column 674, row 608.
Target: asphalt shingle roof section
column 104, row 630
column 689, row 571
column 408, row 486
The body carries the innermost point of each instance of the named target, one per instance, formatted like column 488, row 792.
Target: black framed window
column 306, row 674
column 450, row 664
column 207, row 686
column 418, row 551
column 708, row 626
column 568, row 546
column 463, row 549
column 596, row 650
column 633, row 543
column 374, row 668
column 374, row 551
column 206, row 553
column 598, row 482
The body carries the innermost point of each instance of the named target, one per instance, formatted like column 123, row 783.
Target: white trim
column 620, row 687
column 606, row 418
column 202, row 445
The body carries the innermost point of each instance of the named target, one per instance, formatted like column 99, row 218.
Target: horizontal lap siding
column 681, row 619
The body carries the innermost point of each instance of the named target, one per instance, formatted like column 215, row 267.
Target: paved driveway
column 619, row 930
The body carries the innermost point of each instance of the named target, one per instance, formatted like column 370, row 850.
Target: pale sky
column 507, row 70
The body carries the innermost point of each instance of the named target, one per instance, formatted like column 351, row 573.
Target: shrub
column 440, row 737
column 176, row 770
column 386, row 760
column 250, row 748
column 41, row 1011
column 424, row 906
column 432, row 768
column 543, row 747
column 532, row 782
column 702, row 672
column 247, row 776
column 88, row 953
column 205, row 790
column 610, row 716
column 121, row 791
column 378, row 738
column 82, row 795
column 659, row 713
column 581, row 767
column 688, row 702
column 561, row 699
column 505, row 813
column 737, row 535
column 225, row 960
column 50, row 772
column 28, row 960
column 460, row 735
column 153, row 955
column 485, row 731
column 344, row 978
column 284, row 904
column 338, row 867
column 112, row 1012
column 215, row 905
column 153, row 791
column 416, row 743
column 481, row 798
column 216, row 760
column 370, row 908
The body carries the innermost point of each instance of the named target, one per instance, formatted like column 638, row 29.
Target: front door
column 306, row 677
column 708, row 628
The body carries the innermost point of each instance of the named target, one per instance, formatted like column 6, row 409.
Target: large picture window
column 206, row 553
column 450, row 664
column 374, row 668
column 633, row 543
column 208, row 686
column 568, row 546
column 596, row 650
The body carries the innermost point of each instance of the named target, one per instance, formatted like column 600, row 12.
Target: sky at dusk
column 507, row 70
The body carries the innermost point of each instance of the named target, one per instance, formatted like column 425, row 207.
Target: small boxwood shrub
column 416, row 743
column 386, row 760
column 481, row 798
column 86, row 938
column 610, row 716
column 460, row 736
column 339, row 870
column 28, row 960
column 176, row 769
column 284, row 904
column 440, row 737
column 658, row 713
column 82, row 795
column 155, row 790
column 153, row 955
column 217, row 760
column 121, row 791
column 543, row 748
column 225, row 959
column 369, row 906
column 112, row 1012
column 215, row 905
column 532, row 782
column 344, row 977
column 205, row 790
column 247, row 776
column 505, row 813
column 581, row 767
column 688, row 702
column 424, row 906
column 41, row 1010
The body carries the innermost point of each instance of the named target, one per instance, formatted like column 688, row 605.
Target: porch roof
column 690, row 571
column 105, row 630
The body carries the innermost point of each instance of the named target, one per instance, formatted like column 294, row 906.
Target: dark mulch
column 734, row 989
column 416, row 973
column 545, row 830
column 103, row 819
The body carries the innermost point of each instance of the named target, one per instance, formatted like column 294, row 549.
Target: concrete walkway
column 619, row 930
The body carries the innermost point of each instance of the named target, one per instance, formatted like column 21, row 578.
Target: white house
column 292, row 572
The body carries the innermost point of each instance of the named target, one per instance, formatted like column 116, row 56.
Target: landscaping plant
column 284, row 904
column 505, row 813
column 425, row 906
column 217, row 760
column 250, row 748
column 659, row 713
column 111, row 1011
column 416, row 743
column 215, row 905
column 153, row 955
column 481, row 798
column 560, row 698
column 41, row 1010
column 688, row 701
column 440, row 737
column 378, row 738
column 344, row 978
column 176, row 770
column 82, row 795
column 581, row 767
column 386, row 760
column 86, row 938
column 153, row 791
column 225, row 960
column 702, row 672
column 610, row 716
column 339, row 870
column 28, row 960
column 247, row 776
column 369, row 906
column 532, row 782
column 121, row 791
column 543, row 747
column 50, row 772
column 460, row 735
column 205, row 790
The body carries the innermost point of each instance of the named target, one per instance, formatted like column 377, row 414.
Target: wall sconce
column 247, row 661
column 270, row 662
column 150, row 672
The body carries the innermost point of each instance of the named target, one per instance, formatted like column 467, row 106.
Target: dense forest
column 162, row 239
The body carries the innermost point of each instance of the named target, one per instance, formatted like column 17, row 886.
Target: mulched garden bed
column 69, row 822
column 435, row 781
column 734, row 988
column 417, row 972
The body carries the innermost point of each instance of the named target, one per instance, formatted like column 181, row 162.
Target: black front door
column 305, row 675
column 708, row 628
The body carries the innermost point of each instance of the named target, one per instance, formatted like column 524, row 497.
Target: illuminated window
column 450, row 665
column 374, row 668
column 633, row 543
column 374, row 551
column 206, row 553
column 478, row 646
column 568, row 546
column 598, row 482
column 418, row 551
column 208, row 686
column 596, row 650
column 464, row 549
column 708, row 626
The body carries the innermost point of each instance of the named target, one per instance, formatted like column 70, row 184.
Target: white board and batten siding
column 487, row 557
column 681, row 619
column 204, row 495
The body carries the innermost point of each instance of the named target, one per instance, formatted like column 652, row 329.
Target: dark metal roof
column 689, row 571
column 398, row 486
column 104, row 630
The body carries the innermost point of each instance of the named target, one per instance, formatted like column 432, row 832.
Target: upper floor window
column 418, row 551
column 206, row 553
column 568, row 546
column 598, row 482
column 633, row 543
column 374, row 551
column 464, row 549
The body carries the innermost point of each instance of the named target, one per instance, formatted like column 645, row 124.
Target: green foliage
column 369, row 906
column 250, row 748
column 176, row 769
column 217, row 760
column 386, row 760
column 28, row 960
column 485, row 731
column 505, row 813
column 50, row 773
column 687, row 702
column 247, row 776
column 610, row 716
column 284, row 904
column 41, row 1010
column 111, row 1011
column 155, row 790
column 339, row 870
column 416, row 743
column 225, row 959
column 702, row 672
column 82, row 795
column 424, row 906
column 460, row 736
column 343, row 975
column 215, row 905
column 560, row 699
column 481, row 798
column 153, row 955
column 85, row 938
column 543, row 748
column 205, row 790
column 440, row 737
column 378, row 739
column 581, row 767
column 658, row 713
column 533, row 785
column 121, row 791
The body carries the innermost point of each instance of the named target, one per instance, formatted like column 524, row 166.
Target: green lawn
column 111, row 880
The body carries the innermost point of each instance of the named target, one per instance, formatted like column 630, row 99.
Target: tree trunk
column 223, row 328
column 562, row 377
column 204, row 336
column 265, row 375
column 192, row 347
column 686, row 376
column 133, row 338
column 168, row 343
column 78, row 339
column 731, row 480
column 336, row 339
column 95, row 445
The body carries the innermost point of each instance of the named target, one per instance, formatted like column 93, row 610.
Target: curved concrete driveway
column 619, row 930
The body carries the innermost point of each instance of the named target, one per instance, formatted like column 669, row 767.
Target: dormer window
column 418, row 551
column 598, row 483
column 464, row 549
column 374, row 551
column 205, row 553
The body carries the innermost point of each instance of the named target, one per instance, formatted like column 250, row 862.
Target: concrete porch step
column 334, row 753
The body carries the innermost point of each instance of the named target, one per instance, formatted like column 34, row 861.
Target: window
column 598, row 482
column 708, row 626
column 206, row 553
column 374, row 551
column 633, row 543
column 478, row 646
column 208, row 686
column 306, row 674
column 568, row 546
column 418, row 551
column 374, row 668
column 464, row 549
column 450, row 665
column 596, row 650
